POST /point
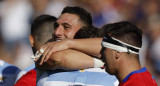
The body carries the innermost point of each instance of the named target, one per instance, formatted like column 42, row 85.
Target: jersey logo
column 81, row 70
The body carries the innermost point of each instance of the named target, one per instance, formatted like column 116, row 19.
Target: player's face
column 67, row 26
column 107, row 56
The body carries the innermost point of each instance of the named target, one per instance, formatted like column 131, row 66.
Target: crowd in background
column 16, row 17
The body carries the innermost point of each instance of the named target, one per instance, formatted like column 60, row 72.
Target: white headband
column 115, row 44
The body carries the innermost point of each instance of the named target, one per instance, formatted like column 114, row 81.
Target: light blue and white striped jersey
column 8, row 73
column 87, row 77
column 29, row 67
column 22, row 72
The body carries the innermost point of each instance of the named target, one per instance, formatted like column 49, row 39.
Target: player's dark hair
column 39, row 21
column 124, row 31
column 87, row 32
column 84, row 16
column 42, row 30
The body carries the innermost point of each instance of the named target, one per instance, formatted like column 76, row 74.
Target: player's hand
column 52, row 47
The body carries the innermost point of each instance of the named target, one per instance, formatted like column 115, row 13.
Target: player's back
column 8, row 73
column 87, row 77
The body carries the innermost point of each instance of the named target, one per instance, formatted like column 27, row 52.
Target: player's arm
column 72, row 60
column 89, row 46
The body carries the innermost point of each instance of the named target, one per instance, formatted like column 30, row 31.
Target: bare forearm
column 72, row 60
column 91, row 46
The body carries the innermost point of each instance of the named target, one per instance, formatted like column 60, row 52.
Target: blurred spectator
column 15, row 28
column 153, row 59
column 103, row 11
column 38, row 7
column 55, row 7
column 3, row 53
column 14, row 21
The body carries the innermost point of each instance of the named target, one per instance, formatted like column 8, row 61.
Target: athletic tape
column 98, row 63
column 37, row 55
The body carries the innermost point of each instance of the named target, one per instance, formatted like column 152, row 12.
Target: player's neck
column 126, row 68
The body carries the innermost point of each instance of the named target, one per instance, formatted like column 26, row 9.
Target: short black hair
column 87, row 32
column 39, row 21
column 84, row 16
column 42, row 30
column 124, row 31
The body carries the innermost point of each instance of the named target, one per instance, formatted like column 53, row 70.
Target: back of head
column 87, row 32
column 84, row 16
column 42, row 30
column 125, row 32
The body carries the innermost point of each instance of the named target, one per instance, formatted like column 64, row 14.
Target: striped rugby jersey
column 87, row 77
column 22, row 72
column 8, row 73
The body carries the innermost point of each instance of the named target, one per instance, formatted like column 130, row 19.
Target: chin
column 109, row 71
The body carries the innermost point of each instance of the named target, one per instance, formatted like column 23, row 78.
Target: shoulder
column 139, row 83
column 8, row 73
column 23, row 72
column 6, row 68
column 93, row 76
column 27, row 79
column 141, row 79
column 100, row 75
column 32, row 66
column 30, row 74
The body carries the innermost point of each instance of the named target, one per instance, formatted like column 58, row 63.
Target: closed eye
column 66, row 26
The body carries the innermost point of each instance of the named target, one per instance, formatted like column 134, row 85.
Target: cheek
column 108, row 58
column 70, row 33
column 105, row 56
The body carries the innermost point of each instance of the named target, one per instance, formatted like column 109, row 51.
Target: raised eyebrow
column 66, row 24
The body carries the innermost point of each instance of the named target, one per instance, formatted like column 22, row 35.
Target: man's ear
column 31, row 40
column 117, row 54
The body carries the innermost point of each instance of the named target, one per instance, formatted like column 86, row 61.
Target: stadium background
column 16, row 17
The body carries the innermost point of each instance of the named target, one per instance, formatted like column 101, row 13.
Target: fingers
column 48, row 55
column 44, row 55
column 44, row 47
column 37, row 55
column 50, row 48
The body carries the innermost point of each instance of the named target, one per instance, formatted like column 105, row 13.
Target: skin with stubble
column 71, row 20
column 66, row 27
column 120, row 63
column 42, row 32
column 110, row 60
